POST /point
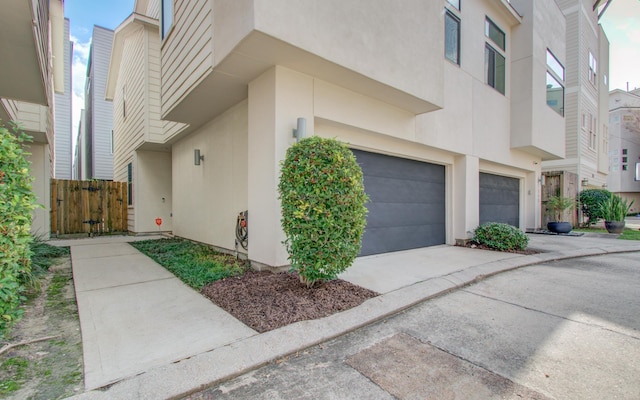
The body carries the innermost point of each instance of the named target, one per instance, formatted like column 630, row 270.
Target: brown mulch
column 265, row 301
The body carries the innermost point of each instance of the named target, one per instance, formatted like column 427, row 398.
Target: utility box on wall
column 560, row 183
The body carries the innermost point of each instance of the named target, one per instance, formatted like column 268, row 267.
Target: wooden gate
column 560, row 183
column 92, row 207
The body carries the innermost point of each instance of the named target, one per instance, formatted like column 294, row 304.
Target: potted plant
column 613, row 211
column 557, row 205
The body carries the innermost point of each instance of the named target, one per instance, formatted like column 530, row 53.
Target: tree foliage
column 323, row 208
column 591, row 201
column 17, row 201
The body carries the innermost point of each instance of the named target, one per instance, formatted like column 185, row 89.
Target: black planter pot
column 559, row 227
column 614, row 226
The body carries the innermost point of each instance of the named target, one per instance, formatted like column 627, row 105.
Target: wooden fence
column 92, row 207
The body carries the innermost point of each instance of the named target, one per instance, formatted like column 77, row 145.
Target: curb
column 191, row 375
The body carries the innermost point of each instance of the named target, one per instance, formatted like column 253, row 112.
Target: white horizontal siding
column 187, row 53
column 62, row 111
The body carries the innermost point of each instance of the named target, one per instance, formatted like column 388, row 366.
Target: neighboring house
column 97, row 154
column 142, row 149
column 63, row 127
column 79, row 153
column 32, row 69
column 586, row 95
column 624, row 142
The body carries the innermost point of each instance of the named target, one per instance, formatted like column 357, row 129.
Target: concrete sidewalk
column 136, row 319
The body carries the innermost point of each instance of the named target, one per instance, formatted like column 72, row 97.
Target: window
column 124, row 102
column 593, row 68
column 637, row 177
column 130, row 184
column 624, row 151
column 455, row 3
column 494, row 65
column 494, row 61
column 452, row 37
column 167, row 17
column 624, row 167
column 624, row 159
column 494, row 33
column 111, row 141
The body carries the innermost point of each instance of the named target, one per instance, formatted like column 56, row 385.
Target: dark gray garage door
column 406, row 206
column 499, row 199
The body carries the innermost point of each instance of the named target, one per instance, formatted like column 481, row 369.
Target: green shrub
column 323, row 208
column 17, row 202
column 615, row 208
column 501, row 237
column 591, row 203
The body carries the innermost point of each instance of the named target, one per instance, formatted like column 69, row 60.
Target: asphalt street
column 560, row 330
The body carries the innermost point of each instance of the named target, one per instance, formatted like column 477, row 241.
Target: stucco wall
column 152, row 191
column 208, row 197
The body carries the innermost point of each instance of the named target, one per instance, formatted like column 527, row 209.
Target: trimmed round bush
column 323, row 208
column 591, row 203
column 499, row 236
column 17, row 201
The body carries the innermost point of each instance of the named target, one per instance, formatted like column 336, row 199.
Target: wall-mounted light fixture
column 585, row 182
column 542, row 179
column 301, row 130
column 197, row 157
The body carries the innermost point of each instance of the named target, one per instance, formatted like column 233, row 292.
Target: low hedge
column 499, row 236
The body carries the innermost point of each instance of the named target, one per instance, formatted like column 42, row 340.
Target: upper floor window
column 495, row 65
column 455, row 3
column 555, row 83
column 166, row 19
column 593, row 68
column 494, row 33
column 452, row 37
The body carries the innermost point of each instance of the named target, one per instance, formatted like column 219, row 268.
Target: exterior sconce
column 542, row 180
column 197, row 157
column 301, row 130
column 585, row 182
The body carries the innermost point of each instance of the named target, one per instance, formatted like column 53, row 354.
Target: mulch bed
column 265, row 301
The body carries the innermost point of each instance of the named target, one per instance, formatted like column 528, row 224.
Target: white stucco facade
column 238, row 74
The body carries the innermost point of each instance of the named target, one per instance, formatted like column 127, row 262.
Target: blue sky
column 621, row 22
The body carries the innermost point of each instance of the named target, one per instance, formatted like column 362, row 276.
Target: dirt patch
column 266, row 301
column 50, row 369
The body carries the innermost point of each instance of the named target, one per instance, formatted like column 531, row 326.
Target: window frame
column 455, row 19
column 455, row 4
column 130, row 184
column 492, row 54
column 593, row 68
column 555, row 71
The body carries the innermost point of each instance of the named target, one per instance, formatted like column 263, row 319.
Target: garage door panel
column 406, row 206
column 387, row 215
column 381, row 165
column 499, row 199
column 403, row 191
column 384, row 240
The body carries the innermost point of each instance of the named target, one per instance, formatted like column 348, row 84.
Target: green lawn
column 627, row 234
column 195, row 264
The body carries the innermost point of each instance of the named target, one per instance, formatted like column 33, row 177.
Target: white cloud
column 78, row 77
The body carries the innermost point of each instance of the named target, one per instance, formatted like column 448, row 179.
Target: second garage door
column 499, row 199
column 406, row 206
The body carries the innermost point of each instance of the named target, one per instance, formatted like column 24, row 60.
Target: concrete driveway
column 563, row 330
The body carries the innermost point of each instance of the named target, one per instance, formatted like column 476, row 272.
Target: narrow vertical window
column 452, row 37
column 593, row 68
column 495, row 65
column 455, row 3
column 167, row 16
column 130, row 184
column 124, row 102
column 555, row 83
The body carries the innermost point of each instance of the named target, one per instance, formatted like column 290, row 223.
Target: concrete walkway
column 136, row 318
